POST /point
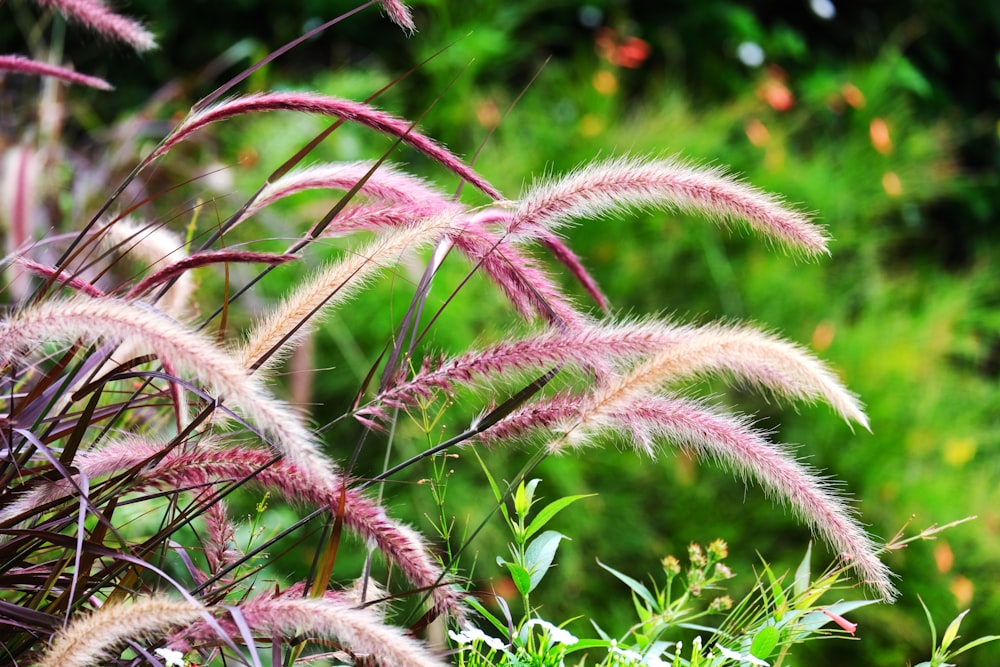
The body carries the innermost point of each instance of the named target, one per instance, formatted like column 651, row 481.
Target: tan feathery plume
column 153, row 247
column 298, row 314
column 114, row 320
column 89, row 639
column 627, row 402
column 361, row 630
column 751, row 356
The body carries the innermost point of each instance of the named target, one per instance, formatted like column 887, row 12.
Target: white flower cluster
column 471, row 635
column 171, row 658
column 556, row 634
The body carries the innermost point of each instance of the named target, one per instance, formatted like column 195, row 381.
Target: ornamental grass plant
column 136, row 408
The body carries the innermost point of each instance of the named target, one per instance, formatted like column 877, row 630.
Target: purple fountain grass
column 753, row 357
column 524, row 282
column 399, row 14
column 210, row 464
column 219, row 543
column 618, row 397
column 91, row 638
column 209, row 257
column 367, row 638
column 73, row 282
column 96, row 16
column 575, row 421
column 276, row 334
column 25, row 65
column 114, row 320
column 326, row 105
column 20, row 181
column 617, row 184
column 675, row 353
column 412, row 197
column 617, row 377
column 150, row 246
column 386, row 182
column 408, row 198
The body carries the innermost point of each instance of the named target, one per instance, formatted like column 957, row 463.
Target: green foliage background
column 907, row 308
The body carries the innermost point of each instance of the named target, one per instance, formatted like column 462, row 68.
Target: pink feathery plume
column 21, row 172
column 204, row 466
column 170, row 272
column 399, row 14
column 745, row 450
column 61, row 277
column 220, row 537
column 527, row 286
column 363, row 114
column 96, row 16
column 371, row 217
column 386, row 183
column 400, row 195
column 684, row 352
column 709, row 434
column 615, row 185
column 24, row 65
column 592, row 347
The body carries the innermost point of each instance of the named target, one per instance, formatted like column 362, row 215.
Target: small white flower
column 733, row 655
column 556, row 634
column 171, row 658
column 631, row 656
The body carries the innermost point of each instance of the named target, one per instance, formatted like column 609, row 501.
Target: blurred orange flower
column 628, row 52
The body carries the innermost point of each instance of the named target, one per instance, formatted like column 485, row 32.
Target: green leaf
column 952, row 631
column 539, row 555
column 765, row 641
column 803, row 573
column 523, row 497
column 636, row 587
column 549, row 511
column 493, row 485
column 930, row 621
column 974, row 643
column 520, row 576
column 485, row 613
column 585, row 644
column 776, row 591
